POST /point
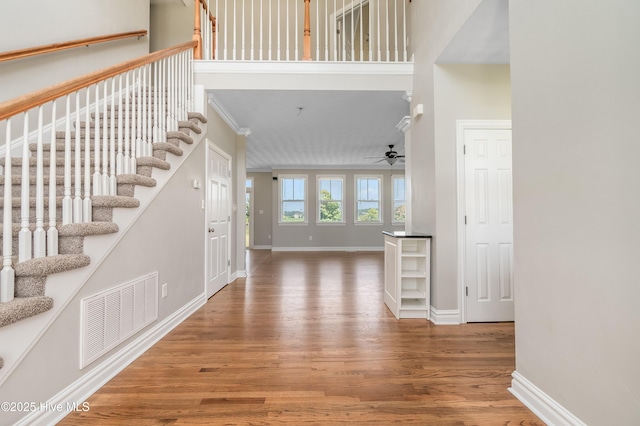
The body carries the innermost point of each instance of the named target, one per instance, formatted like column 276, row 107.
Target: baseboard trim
column 540, row 403
column 327, row 249
column 260, row 248
column 89, row 383
column 445, row 317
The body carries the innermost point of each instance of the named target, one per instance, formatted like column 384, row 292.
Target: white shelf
column 407, row 276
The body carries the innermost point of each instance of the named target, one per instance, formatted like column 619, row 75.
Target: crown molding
column 404, row 124
column 226, row 116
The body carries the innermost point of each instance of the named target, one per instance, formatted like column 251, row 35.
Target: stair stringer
column 24, row 334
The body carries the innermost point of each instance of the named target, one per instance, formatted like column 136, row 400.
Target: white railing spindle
column 7, row 275
column 39, row 235
column 105, row 140
column 128, row 120
column 77, row 195
column 120, row 155
column 52, row 231
column 112, row 141
column 97, row 178
column 86, row 202
column 24, row 236
column 67, row 203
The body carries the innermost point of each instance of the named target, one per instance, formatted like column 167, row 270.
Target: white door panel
column 489, row 228
column 218, row 214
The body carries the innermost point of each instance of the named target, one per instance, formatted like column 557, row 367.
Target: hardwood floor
column 307, row 339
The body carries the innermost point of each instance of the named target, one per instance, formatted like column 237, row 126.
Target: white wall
column 171, row 24
column 262, row 201
column 576, row 103
column 42, row 22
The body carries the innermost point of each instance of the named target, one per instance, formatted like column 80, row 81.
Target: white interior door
column 218, row 216
column 489, row 225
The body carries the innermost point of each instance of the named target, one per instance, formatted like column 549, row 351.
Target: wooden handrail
column 49, row 48
column 41, row 97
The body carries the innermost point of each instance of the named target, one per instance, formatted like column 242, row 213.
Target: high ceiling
column 321, row 129
column 344, row 129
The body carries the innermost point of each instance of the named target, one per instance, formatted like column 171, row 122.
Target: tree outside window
column 330, row 199
column 399, row 199
column 368, row 196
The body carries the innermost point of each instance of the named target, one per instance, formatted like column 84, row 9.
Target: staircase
column 31, row 275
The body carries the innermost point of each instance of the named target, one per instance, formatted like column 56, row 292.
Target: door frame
column 251, row 209
column 211, row 145
column 461, row 126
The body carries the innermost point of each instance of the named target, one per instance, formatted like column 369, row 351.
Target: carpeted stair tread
column 153, row 162
column 86, row 229
column 72, row 229
column 16, row 202
column 33, row 161
column 169, row 147
column 176, row 134
column 114, row 201
column 44, row 266
column 197, row 116
column 136, row 179
column 23, row 307
column 189, row 125
column 17, row 179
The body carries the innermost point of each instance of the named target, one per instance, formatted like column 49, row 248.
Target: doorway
column 248, row 209
column 350, row 31
column 485, row 222
column 218, row 215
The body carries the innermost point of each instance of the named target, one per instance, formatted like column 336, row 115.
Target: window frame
column 380, row 201
column 319, row 220
column 393, row 198
column 281, row 179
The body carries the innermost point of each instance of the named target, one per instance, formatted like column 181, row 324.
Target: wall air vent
column 114, row 315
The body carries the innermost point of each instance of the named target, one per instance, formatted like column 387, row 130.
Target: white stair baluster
column 24, row 237
column 86, row 202
column 135, row 150
column 7, row 275
column 149, row 140
column 97, row 178
column 119, row 156
column 156, row 102
column 52, row 231
column 128, row 126
column 67, row 202
column 113, row 187
column 77, row 196
column 105, row 141
column 39, row 235
column 145, row 97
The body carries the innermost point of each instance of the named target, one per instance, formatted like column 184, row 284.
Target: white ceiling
column 316, row 129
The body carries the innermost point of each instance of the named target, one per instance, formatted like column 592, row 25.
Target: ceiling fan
column 391, row 157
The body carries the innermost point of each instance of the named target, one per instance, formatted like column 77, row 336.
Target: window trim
column 380, row 179
column 342, row 179
column 393, row 198
column 281, row 179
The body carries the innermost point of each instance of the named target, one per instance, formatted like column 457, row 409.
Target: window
column 330, row 199
column 368, row 196
column 293, row 199
column 399, row 200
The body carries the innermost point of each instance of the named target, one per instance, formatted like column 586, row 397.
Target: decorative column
column 197, row 34
column 307, row 32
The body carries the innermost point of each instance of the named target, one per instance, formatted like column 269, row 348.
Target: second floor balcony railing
column 295, row 30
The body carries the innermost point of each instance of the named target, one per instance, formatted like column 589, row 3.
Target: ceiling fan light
column 391, row 160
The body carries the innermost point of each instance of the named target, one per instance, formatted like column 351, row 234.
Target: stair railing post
column 197, row 33
column 24, row 236
column 67, row 203
column 306, row 56
column 86, row 202
column 52, row 231
column 77, row 196
column 39, row 235
column 7, row 275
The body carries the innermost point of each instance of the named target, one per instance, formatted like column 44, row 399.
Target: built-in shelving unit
column 407, row 275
